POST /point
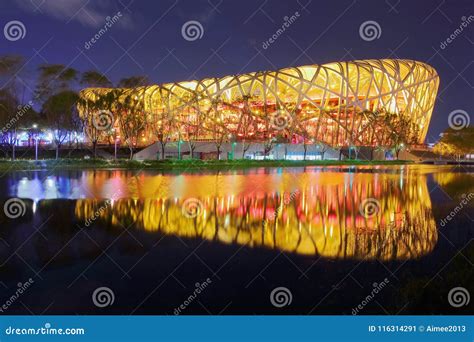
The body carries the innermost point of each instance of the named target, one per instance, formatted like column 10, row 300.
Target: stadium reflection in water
column 359, row 215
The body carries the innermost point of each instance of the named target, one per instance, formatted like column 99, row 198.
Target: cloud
column 82, row 11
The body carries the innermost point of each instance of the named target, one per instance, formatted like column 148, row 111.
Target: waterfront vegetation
column 170, row 164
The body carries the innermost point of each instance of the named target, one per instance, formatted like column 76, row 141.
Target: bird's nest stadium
column 338, row 104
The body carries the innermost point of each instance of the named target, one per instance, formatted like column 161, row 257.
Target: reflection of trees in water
column 455, row 184
column 321, row 220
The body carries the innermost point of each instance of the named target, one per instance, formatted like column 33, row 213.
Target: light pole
column 35, row 126
column 115, row 143
column 233, row 142
column 233, row 150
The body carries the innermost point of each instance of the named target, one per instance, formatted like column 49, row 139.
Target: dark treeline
column 50, row 105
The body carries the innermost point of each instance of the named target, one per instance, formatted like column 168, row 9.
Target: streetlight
column 115, row 149
column 35, row 126
column 233, row 144
column 233, row 150
column 179, row 148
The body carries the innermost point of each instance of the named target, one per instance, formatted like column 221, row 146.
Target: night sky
column 147, row 39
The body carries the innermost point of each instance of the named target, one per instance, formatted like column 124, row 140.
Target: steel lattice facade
column 332, row 103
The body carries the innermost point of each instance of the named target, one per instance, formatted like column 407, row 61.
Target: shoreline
column 80, row 164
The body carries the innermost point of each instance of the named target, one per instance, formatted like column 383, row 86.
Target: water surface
column 326, row 233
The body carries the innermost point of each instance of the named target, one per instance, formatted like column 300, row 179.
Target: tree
column 61, row 113
column 94, row 78
column 323, row 148
column 162, row 122
column 215, row 124
column 88, row 108
column 12, row 99
column 247, row 125
column 54, row 78
column 402, row 130
column 372, row 126
column 100, row 111
column 100, row 106
column 9, row 123
column 10, row 68
column 14, row 117
column 10, row 64
column 32, row 123
column 133, row 82
column 130, row 116
column 456, row 143
column 192, row 122
column 268, row 119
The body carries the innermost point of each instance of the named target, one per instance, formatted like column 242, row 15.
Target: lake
column 337, row 240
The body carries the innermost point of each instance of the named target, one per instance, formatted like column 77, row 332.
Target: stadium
column 364, row 103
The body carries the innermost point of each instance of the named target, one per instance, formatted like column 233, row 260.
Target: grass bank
column 49, row 164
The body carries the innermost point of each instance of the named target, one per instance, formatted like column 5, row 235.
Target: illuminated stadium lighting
column 339, row 104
